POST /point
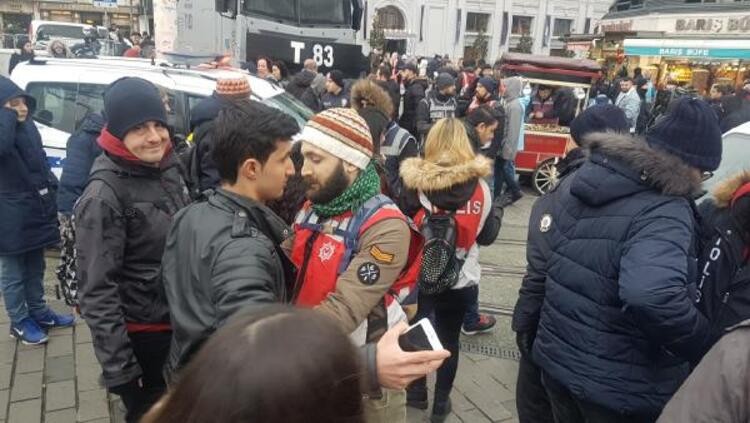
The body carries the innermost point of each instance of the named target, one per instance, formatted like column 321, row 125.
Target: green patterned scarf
column 366, row 186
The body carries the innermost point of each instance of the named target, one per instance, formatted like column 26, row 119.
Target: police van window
column 285, row 10
column 61, row 31
column 90, row 100
column 332, row 12
column 55, row 104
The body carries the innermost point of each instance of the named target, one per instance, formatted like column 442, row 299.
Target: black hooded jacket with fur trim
column 612, row 273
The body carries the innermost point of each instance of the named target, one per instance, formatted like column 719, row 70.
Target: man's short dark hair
column 247, row 129
column 626, row 79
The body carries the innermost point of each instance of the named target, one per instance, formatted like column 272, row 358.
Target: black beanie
column 598, row 118
column 377, row 122
column 129, row 102
column 337, row 77
column 691, row 132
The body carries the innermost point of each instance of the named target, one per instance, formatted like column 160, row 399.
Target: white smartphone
column 420, row 336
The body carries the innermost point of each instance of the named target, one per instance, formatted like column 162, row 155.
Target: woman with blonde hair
column 452, row 192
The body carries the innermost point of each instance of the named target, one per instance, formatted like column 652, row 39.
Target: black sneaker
column 416, row 397
column 441, row 410
column 510, row 199
column 483, row 325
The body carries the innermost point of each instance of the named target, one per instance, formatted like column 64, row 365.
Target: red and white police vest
column 322, row 250
column 470, row 220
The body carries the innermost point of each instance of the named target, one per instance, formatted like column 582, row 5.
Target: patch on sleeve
column 368, row 273
column 381, row 256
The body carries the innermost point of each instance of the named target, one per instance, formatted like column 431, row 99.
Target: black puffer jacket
column 300, row 86
column 121, row 229
column 415, row 92
column 618, row 325
column 222, row 255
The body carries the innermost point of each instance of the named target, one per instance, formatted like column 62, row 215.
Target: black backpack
column 723, row 275
column 440, row 267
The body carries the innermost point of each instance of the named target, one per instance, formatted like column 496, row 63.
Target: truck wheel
column 545, row 176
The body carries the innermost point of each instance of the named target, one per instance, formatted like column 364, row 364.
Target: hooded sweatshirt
column 514, row 117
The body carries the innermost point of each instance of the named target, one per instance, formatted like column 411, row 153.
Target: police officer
column 440, row 103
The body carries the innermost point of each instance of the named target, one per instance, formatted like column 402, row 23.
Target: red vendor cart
column 545, row 143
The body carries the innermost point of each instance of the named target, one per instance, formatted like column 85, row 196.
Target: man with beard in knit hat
column 355, row 250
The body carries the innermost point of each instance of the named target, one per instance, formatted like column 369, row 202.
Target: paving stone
column 60, row 332
column 30, row 361
column 5, row 371
column 60, row 395
column 59, row 369
column 61, row 416
column 7, row 352
column 26, row 411
column 92, row 405
column 87, row 376
column 26, row 386
column 4, row 403
column 511, row 406
column 59, row 345
column 473, row 416
column 83, row 334
column 85, row 354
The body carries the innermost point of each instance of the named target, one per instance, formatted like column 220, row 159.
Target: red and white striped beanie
column 342, row 133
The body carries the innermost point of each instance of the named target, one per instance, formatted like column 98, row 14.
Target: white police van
column 66, row 90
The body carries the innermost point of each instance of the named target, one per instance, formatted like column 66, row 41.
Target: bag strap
column 109, row 178
column 351, row 233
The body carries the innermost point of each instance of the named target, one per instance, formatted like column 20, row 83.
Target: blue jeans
column 505, row 173
column 472, row 310
column 22, row 281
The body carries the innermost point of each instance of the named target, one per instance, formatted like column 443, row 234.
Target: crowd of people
column 292, row 267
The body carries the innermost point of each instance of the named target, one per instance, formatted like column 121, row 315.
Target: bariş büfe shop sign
column 714, row 25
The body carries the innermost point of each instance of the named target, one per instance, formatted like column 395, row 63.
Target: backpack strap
column 109, row 177
column 351, row 233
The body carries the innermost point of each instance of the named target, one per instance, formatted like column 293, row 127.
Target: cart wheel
column 545, row 176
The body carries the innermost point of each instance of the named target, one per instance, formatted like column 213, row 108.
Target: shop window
column 55, row 104
column 477, row 22
column 562, row 27
column 521, row 25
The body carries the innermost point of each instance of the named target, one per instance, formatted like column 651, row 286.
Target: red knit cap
column 233, row 88
column 342, row 133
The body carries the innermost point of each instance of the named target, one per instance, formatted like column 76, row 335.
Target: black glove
column 129, row 389
column 525, row 341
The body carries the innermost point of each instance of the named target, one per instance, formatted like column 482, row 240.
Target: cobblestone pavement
column 59, row 382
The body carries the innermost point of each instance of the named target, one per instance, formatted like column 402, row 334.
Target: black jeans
column 151, row 350
column 449, row 308
column 505, row 174
column 532, row 402
column 568, row 409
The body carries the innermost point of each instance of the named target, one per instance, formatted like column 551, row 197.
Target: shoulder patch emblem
column 546, row 223
column 368, row 273
column 381, row 256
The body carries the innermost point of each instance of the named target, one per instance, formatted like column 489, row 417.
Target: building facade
column 694, row 43
column 16, row 15
column 428, row 27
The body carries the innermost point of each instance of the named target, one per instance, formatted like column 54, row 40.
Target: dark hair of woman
column 278, row 365
column 293, row 199
column 483, row 114
column 282, row 68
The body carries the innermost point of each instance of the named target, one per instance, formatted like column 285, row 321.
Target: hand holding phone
column 420, row 336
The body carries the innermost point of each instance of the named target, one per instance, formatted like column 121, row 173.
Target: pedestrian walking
column 629, row 101
column 335, row 95
column 134, row 189
column 363, row 278
column 24, row 54
column 450, row 183
column 505, row 167
column 532, row 401
column 28, row 218
column 80, row 152
column 414, row 93
column 440, row 103
column 223, row 254
column 618, row 327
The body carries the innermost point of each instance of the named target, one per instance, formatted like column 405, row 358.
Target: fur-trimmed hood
column 725, row 190
column 425, row 176
column 621, row 165
column 367, row 93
